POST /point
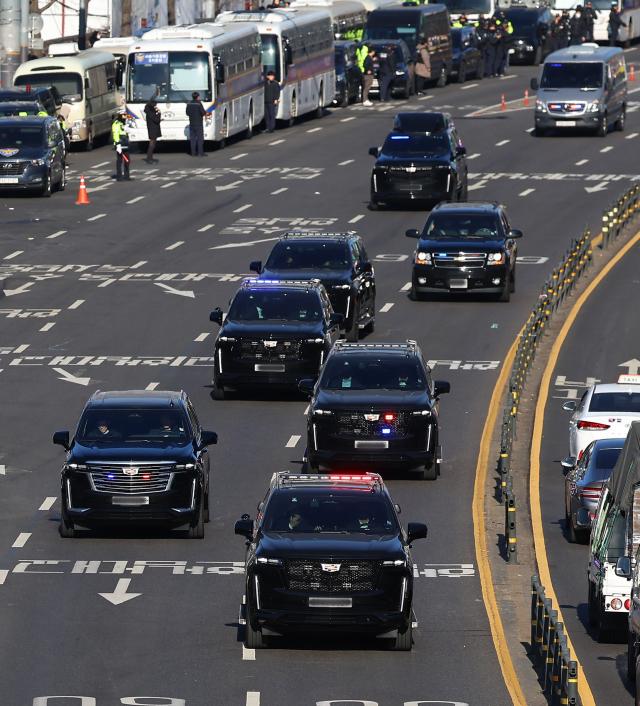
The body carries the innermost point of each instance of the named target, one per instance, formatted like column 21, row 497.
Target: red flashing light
column 389, row 417
column 146, row 476
column 365, row 477
column 591, row 426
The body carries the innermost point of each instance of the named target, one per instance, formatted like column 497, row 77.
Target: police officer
column 271, row 100
column 615, row 22
column 577, row 27
column 121, row 145
column 590, row 16
column 386, row 73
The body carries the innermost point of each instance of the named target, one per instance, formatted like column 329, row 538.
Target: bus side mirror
column 220, row 72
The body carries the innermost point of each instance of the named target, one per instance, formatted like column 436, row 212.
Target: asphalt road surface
column 116, row 295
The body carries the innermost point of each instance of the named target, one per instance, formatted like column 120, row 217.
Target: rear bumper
column 391, row 459
column 361, row 620
column 242, row 373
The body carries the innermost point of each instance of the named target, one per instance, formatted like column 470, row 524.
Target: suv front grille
column 352, row 576
column 459, row 259
column 270, row 350
column 353, row 424
column 148, row 478
column 12, row 168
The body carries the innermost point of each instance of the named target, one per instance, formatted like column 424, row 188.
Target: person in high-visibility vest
column 121, row 144
column 361, row 54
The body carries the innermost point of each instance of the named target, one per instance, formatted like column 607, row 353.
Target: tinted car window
column 309, row 256
column 14, row 109
column 522, row 20
column 21, row 136
column 386, row 372
column 600, row 468
column 425, row 122
column 572, row 75
column 454, row 226
column 615, row 402
column 272, row 305
column 417, row 144
column 117, row 426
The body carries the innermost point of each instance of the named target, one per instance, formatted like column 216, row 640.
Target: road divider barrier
column 615, row 218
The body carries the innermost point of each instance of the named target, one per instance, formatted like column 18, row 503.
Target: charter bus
column 221, row 63
column 629, row 14
column 348, row 17
column 298, row 46
column 87, row 83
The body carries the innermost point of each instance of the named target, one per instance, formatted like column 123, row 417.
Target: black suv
column 374, row 404
column 275, row 333
column 340, row 262
column 419, row 166
column 327, row 553
column 465, row 247
column 47, row 96
column 348, row 73
column 531, row 40
column 136, row 456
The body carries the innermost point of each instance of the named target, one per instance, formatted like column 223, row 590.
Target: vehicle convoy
column 531, row 40
column 604, row 411
column 614, row 541
column 582, row 86
column 465, row 248
column 32, row 155
column 583, row 485
column 276, row 333
column 136, row 457
column 467, row 58
column 419, row 167
column 339, row 261
column 375, row 405
column 327, row 554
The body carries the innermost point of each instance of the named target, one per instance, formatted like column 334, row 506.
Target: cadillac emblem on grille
column 372, row 417
column 270, row 344
column 330, row 568
column 130, row 470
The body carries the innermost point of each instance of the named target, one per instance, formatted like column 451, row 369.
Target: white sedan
column 604, row 412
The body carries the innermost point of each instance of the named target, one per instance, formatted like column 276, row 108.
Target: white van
column 88, row 85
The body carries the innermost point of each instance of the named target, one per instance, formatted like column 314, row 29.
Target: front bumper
column 32, row 177
column 490, row 280
column 588, row 121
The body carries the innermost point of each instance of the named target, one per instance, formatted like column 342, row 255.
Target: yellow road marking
column 586, row 695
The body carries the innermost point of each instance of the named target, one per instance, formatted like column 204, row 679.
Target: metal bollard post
column 534, row 612
column 572, row 683
column 510, row 528
column 548, row 657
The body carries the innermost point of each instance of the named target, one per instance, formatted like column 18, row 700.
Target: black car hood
column 285, row 545
column 393, row 160
column 272, row 329
column 462, row 245
column 327, row 277
column 83, row 453
column 374, row 400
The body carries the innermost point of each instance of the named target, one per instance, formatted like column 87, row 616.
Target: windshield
column 384, row 372
column 460, row 226
column 275, row 305
column 417, row 144
column 615, row 402
column 523, row 22
column 271, row 54
column 309, row 256
column 114, row 427
column 15, row 109
column 469, row 7
column 393, row 25
column 68, row 84
column 21, row 136
column 170, row 76
column 304, row 510
column 573, row 75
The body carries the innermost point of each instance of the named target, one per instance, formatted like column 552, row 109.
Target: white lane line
column 502, row 142
column 315, row 129
column 239, row 156
column 406, row 287
column 202, row 337
column 346, row 161
column 175, row 245
column 346, row 120
column 106, row 283
column 21, row 348
column 386, row 307
column 355, row 219
column 631, row 136
column 607, row 149
column 168, row 184
column 57, row 234
column 137, row 198
column 15, row 253
column 101, row 164
column 253, row 697
column 276, row 142
column 97, row 217
column 47, row 327
column 469, row 85
column 526, row 192
column 21, row 540
column 152, row 386
column 47, row 504
column 504, row 78
column 209, row 226
column 3, row 470
column 530, row 130
column 249, row 655
column 279, row 191
column 139, row 264
column 580, row 162
column 77, row 303
column 293, row 441
column 473, row 156
column 243, row 208
column 3, row 576
column 425, row 98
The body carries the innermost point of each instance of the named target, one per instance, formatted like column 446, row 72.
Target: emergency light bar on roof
column 317, row 234
column 376, row 346
column 360, row 479
column 302, row 283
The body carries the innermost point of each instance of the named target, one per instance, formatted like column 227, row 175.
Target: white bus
column 221, row 63
column 298, row 46
column 629, row 14
column 348, row 16
column 471, row 8
column 87, row 84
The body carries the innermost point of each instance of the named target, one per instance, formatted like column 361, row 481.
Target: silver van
column 582, row 86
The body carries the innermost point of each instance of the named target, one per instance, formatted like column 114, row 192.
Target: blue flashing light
column 386, row 430
column 400, row 137
column 556, row 65
column 110, row 476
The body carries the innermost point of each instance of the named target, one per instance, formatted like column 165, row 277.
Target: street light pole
column 82, row 24
column 24, row 30
column 9, row 40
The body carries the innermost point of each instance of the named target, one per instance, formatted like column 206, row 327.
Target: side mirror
column 374, row 151
column 441, row 387
column 416, row 530
column 336, row 319
column 534, row 84
column 208, row 438
column 255, row 266
column 461, row 150
column 412, row 233
column 568, row 463
column 569, row 406
column 306, row 385
column 244, row 528
column 61, row 438
column 397, row 508
column 623, row 567
column 216, row 316
column 219, row 72
column 515, row 233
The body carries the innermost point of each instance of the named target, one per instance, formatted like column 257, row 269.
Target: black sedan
column 467, row 57
column 531, row 39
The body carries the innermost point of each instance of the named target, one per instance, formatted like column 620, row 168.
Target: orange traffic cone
column 503, row 103
column 632, row 72
column 526, row 97
column 83, row 196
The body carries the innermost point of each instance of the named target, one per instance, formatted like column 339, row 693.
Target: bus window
column 170, row 76
column 271, row 54
column 69, row 85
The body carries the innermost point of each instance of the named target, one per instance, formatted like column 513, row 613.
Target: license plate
column 458, row 284
column 9, row 180
column 130, row 500
column 371, row 444
column 375, row 83
column 269, row 368
column 330, row 602
column 565, row 123
column 512, row 51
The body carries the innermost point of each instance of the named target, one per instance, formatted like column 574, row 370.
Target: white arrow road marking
column 18, row 290
column 633, row 365
column 242, row 245
column 173, row 290
column 232, row 185
column 479, row 185
column 602, row 186
column 120, row 594
column 69, row 377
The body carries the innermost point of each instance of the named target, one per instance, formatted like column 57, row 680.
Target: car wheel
column 415, row 295
column 207, row 515
column 353, row 333
column 632, row 657
column 373, row 204
column 253, row 638
column 621, row 121
column 196, row 531
column 88, row 145
column 370, row 327
column 505, row 295
column 479, row 74
column 309, row 465
column 539, row 131
column 603, row 127
column 592, row 607
column 344, row 101
column 218, row 390
column 66, row 528
column 46, row 186
column 320, row 108
column 406, row 91
column 512, row 282
column 429, row 471
column 462, row 73
column 404, row 640
column 249, row 133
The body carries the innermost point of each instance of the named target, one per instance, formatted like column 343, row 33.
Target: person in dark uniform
column 615, row 22
column 153, row 117
column 590, row 17
column 577, row 27
column 493, row 42
column 271, row 100
column 386, row 72
column 196, row 114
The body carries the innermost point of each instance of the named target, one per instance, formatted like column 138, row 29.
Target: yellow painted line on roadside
column 584, row 690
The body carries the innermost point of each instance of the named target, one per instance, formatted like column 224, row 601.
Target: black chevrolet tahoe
column 136, row 456
column 465, row 247
column 327, row 553
column 374, row 405
column 340, row 262
column 276, row 333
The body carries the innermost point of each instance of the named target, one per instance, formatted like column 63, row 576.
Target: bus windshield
column 271, row 54
column 68, row 84
column 170, row 76
column 574, row 75
column 470, row 7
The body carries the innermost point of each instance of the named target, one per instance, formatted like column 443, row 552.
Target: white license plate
column 565, row 123
column 9, row 180
column 375, row 83
column 458, row 284
column 130, row 500
column 371, row 444
column 269, row 368
column 330, row 602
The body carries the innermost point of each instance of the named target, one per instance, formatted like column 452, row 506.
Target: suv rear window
column 368, row 372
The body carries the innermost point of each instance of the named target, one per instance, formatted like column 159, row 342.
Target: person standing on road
column 196, row 114
column 386, row 73
column 367, row 76
column 121, row 145
column 615, row 22
column 153, row 117
column 422, row 67
column 590, row 17
column 271, row 100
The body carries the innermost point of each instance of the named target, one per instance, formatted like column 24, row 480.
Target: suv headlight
column 541, row 106
column 185, row 466
column 423, row 258
column 593, row 107
column 38, row 162
column 271, row 562
column 529, row 47
column 315, row 340
column 399, row 73
column 495, row 258
column 421, row 413
column 75, row 466
column 320, row 412
column 226, row 339
column 341, row 286
column 395, row 562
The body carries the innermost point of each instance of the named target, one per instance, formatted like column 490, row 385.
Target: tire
column 47, row 187
column 249, row 133
column 406, row 91
column 294, row 111
column 539, row 131
column 89, row 144
column 207, row 514
column 621, row 121
column 218, row 392
column 353, row 334
column 404, row 640
column 344, row 102
column 62, row 184
column 479, row 73
column 370, row 327
column 632, row 657
column 462, row 73
column 66, row 528
column 430, row 472
column 196, row 531
column 505, row 295
column 253, row 638
column 373, row 204
column 221, row 143
column 310, row 466
column 512, row 282
column 442, row 78
column 415, row 295
column 320, row 108
column 603, row 127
